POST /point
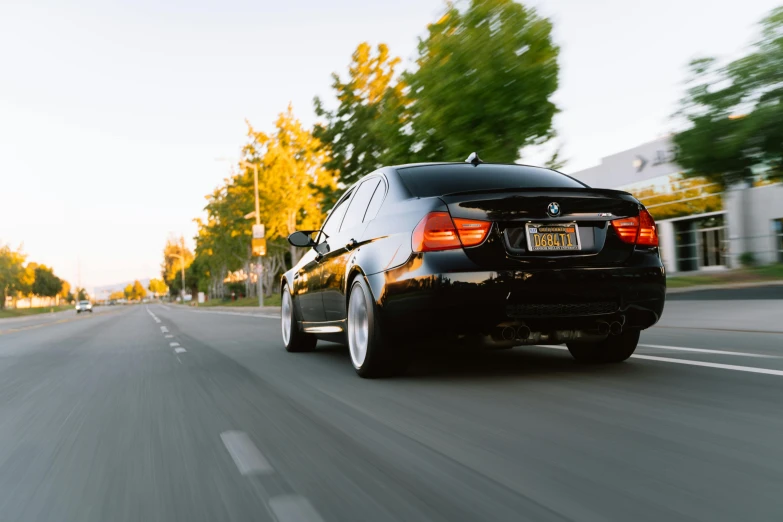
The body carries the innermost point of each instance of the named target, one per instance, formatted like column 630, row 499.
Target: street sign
column 259, row 232
column 259, row 246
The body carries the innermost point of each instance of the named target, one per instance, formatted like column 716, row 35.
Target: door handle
column 351, row 244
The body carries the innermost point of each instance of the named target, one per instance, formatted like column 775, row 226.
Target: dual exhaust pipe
column 613, row 328
column 516, row 332
column 509, row 333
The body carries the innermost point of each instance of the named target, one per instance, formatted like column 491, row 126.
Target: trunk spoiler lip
column 607, row 192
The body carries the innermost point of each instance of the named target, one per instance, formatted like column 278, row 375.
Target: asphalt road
column 153, row 413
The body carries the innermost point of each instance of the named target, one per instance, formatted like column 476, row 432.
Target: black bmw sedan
column 479, row 254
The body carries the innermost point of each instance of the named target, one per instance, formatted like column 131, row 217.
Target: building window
column 778, row 228
column 700, row 243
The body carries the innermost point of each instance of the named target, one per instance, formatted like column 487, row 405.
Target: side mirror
column 302, row 238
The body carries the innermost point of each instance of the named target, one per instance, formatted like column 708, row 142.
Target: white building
column 701, row 226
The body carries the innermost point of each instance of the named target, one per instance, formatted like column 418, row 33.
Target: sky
column 118, row 117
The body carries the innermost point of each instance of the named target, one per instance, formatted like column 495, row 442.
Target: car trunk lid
column 578, row 218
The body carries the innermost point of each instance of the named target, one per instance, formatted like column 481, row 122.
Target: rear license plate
column 552, row 237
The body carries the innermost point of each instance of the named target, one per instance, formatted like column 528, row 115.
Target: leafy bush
column 747, row 259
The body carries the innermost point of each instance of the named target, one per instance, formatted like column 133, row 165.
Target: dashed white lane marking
column 749, row 369
column 164, row 329
column 245, row 454
column 293, row 508
column 164, row 306
column 704, row 350
column 179, row 349
column 174, row 344
column 168, row 336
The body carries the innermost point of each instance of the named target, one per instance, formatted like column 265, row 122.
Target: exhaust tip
column 523, row 332
column 615, row 328
column 603, row 328
column 508, row 333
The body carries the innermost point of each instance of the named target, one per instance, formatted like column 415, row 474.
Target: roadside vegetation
column 272, row 300
column 22, row 312
column 22, row 279
column 740, row 275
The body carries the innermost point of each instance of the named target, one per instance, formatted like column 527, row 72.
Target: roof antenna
column 474, row 159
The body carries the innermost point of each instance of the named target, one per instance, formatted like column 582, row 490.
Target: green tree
column 81, row 294
column 45, row 283
column 351, row 133
column 734, row 112
column 158, row 287
column 484, row 81
column 11, row 270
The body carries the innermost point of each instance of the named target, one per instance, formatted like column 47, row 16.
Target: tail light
column 648, row 232
column 639, row 230
column 472, row 232
column 437, row 231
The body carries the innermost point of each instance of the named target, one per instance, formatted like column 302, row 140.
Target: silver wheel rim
column 358, row 326
column 286, row 314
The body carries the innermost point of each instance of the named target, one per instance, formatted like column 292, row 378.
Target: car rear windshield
column 435, row 180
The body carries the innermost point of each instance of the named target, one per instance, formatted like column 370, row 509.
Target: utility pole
column 182, row 266
column 260, row 274
column 259, row 265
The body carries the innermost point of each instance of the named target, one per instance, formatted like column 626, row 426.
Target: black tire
column 298, row 341
column 383, row 358
column 614, row 349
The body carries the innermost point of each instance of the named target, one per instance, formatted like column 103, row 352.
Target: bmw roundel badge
column 553, row 209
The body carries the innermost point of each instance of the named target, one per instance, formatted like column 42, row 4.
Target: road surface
column 165, row 413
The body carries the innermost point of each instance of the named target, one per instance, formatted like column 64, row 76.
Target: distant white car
column 83, row 306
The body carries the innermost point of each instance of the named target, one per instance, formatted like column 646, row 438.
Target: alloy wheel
column 358, row 326
column 287, row 317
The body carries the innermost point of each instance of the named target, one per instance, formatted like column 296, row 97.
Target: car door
column 306, row 290
column 339, row 249
column 308, row 279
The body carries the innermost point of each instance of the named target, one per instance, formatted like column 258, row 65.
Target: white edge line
column 245, row 454
column 749, row 369
column 705, row 350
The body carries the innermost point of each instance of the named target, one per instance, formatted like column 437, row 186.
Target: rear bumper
column 418, row 298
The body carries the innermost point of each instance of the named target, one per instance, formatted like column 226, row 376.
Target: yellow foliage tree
column 291, row 177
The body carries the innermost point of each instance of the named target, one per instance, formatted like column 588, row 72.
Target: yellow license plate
column 552, row 237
